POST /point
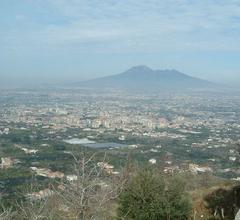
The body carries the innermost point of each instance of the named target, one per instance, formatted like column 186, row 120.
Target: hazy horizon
column 57, row 41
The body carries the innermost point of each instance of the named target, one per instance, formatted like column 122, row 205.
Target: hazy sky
column 56, row 40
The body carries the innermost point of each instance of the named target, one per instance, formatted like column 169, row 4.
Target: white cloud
column 134, row 25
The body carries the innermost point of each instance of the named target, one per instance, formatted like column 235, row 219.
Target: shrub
column 148, row 195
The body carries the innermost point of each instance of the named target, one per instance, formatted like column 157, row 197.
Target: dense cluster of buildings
column 205, row 124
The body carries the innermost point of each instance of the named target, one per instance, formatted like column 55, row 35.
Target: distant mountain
column 144, row 78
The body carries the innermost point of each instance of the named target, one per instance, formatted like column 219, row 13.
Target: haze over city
column 56, row 41
column 119, row 109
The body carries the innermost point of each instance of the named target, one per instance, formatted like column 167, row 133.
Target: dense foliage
column 148, row 195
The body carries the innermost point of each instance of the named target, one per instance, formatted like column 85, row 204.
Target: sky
column 54, row 41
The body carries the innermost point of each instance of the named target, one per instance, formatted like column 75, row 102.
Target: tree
column 6, row 214
column 224, row 203
column 90, row 195
column 148, row 195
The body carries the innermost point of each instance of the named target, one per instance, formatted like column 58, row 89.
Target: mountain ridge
column 144, row 78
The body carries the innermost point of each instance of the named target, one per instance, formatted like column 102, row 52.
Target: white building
column 152, row 161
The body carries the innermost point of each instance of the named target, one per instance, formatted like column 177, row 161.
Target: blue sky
column 69, row 40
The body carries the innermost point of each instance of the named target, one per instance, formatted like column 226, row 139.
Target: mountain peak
column 140, row 68
column 144, row 78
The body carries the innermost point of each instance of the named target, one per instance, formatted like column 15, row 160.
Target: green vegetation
column 148, row 195
column 224, row 202
column 138, row 192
